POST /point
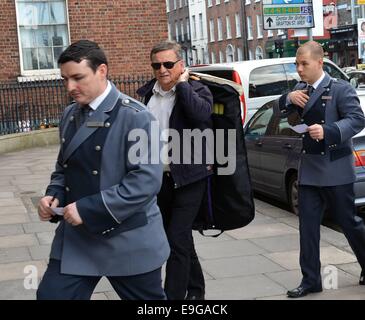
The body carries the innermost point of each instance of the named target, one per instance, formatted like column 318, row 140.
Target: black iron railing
column 33, row 105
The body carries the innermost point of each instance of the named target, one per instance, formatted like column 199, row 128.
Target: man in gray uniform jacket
column 111, row 224
column 331, row 110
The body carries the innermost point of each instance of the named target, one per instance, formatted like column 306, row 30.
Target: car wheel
column 293, row 194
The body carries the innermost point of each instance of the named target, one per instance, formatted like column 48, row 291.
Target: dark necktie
column 310, row 90
column 82, row 115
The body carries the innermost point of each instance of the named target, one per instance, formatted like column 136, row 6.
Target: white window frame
column 230, row 51
column 44, row 73
column 220, row 29
column 188, row 28
column 167, row 6
column 221, row 56
column 217, row 2
column 169, row 30
column 249, row 28
column 210, row 4
column 259, row 26
column 211, row 30
column 182, row 30
column 259, row 53
column 248, row 2
column 212, row 57
column 201, row 26
column 193, row 24
column 177, row 30
column 239, row 54
column 280, row 32
column 228, row 27
column 270, row 33
column 237, row 19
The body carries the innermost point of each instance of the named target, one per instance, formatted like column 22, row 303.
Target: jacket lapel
column 317, row 93
column 100, row 115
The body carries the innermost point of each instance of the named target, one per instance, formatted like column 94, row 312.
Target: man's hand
column 316, row 132
column 184, row 76
column 44, row 207
column 299, row 97
column 71, row 215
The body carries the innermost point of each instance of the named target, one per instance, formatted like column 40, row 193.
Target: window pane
column 43, row 37
column 45, row 58
column 42, row 13
column 267, row 81
column 30, row 59
column 56, row 54
column 291, row 72
column 58, row 12
column 27, row 38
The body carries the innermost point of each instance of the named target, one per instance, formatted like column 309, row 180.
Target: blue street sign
column 287, row 1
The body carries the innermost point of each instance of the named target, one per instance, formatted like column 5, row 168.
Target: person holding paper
column 331, row 110
column 111, row 224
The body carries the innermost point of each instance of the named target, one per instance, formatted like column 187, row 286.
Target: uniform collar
column 96, row 102
column 316, row 84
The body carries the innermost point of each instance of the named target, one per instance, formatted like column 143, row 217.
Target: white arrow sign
column 287, row 1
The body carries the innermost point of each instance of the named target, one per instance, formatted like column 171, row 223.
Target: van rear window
column 226, row 74
column 268, row 81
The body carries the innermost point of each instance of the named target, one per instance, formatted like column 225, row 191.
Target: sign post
column 287, row 14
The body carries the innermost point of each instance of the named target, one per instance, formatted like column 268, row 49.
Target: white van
column 263, row 80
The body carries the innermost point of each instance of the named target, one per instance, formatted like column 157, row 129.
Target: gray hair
column 167, row 45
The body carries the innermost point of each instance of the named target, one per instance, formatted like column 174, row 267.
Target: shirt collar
column 158, row 90
column 96, row 102
column 316, row 84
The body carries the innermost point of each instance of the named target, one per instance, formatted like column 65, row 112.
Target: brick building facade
column 126, row 29
column 225, row 31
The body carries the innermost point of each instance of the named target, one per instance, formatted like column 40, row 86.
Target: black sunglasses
column 167, row 65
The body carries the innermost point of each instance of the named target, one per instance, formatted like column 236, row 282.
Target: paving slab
column 14, row 290
column 239, row 266
column 41, row 226
column 329, row 256
column 287, row 242
column 19, row 240
column 239, row 288
column 40, row 252
column 8, row 255
column 261, row 231
column 229, row 248
column 15, row 270
column 10, row 229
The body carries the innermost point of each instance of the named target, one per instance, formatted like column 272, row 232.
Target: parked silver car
column 273, row 151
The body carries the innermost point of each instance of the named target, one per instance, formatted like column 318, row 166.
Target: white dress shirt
column 161, row 105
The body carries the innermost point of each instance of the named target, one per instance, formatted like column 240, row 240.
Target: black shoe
column 301, row 292
column 362, row 279
column 193, row 297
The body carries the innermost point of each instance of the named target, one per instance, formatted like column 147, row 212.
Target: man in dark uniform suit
column 111, row 223
column 331, row 110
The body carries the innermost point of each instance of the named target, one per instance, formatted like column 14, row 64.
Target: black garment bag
column 228, row 202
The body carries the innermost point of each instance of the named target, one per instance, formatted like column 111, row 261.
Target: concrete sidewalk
column 259, row 261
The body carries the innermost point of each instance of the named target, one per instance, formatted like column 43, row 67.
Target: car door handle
column 287, row 146
column 258, row 144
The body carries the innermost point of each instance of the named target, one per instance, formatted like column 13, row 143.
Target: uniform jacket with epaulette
column 334, row 105
column 122, row 232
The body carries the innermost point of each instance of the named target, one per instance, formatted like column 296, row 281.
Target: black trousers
column 179, row 207
column 57, row 286
column 312, row 203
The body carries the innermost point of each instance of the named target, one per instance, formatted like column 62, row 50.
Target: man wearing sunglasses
column 179, row 103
